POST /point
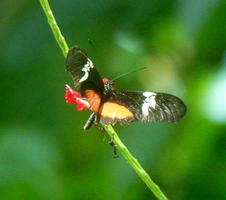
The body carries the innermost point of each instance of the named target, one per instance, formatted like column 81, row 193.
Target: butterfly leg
column 91, row 120
column 111, row 142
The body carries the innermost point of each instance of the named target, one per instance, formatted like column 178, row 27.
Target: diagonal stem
column 135, row 164
column 53, row 25
column 109, row 129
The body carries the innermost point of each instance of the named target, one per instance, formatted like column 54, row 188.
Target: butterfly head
column 108, row 85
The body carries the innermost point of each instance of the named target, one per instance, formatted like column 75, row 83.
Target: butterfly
column 110, row 105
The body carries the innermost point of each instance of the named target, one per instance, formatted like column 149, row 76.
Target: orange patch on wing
column 115, row 111
column 94, row 99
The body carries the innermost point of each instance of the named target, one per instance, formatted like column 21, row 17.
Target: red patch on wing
column 94, row 100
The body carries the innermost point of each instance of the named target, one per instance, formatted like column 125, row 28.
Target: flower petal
column 74, row 97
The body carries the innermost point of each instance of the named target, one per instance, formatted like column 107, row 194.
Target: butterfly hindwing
column 142, row 106
column 84, row 73
column 112, row 112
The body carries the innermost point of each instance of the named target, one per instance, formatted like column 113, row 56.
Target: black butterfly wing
column 84, row 73
column 141, row 106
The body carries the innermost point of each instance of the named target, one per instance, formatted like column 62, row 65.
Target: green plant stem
column 135, row 164
column 109, row 129
column 55, row 29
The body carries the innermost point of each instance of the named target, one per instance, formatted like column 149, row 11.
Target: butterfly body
column 110, row 105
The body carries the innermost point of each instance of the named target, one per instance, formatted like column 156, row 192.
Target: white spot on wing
column 86, row 69
column 149, row 101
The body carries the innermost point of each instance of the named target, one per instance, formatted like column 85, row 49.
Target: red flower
column 74, row 97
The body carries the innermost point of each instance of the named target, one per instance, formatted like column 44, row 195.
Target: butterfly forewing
column 84, row 73
column 144, row 106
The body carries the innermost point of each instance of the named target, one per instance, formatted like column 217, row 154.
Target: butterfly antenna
column 130, row 72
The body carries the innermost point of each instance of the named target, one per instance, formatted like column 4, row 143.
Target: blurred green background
column 44, row 152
